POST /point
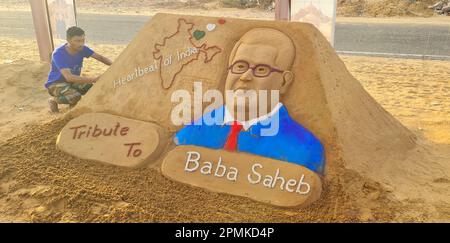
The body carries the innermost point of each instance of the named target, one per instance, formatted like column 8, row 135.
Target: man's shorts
column 67, row 93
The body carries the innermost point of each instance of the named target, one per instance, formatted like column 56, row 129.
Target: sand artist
column 64, row 81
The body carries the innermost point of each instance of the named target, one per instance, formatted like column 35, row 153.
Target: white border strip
column 382, row 54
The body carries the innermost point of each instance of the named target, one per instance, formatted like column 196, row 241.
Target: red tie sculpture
column 231, row 144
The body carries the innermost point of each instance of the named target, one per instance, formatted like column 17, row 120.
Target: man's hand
column 102, row 59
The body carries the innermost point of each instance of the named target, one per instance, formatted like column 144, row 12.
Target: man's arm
column 76, row 79
column 102, row 59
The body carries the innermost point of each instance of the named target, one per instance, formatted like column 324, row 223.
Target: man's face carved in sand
column 261, row 60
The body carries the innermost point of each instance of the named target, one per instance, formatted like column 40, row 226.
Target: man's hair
column 74, row 31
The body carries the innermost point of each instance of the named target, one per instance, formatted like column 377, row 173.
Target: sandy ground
column 52, row 186
column 417, row 92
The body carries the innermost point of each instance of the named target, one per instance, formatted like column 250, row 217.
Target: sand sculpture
column 324, row 113
column 268, row 54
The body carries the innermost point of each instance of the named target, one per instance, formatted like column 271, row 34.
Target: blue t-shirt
column 61, row 59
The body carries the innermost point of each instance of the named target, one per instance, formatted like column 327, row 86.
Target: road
column 409, row 40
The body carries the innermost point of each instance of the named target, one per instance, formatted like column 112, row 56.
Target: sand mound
column 23, row 94
column 376, row 168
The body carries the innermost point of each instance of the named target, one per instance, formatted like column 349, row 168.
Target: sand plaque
column 111, row 139
column 262, row 179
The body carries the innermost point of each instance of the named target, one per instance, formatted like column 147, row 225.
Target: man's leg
column 55, row 90
column 63, row 93
column 53, row 104
column 82, row 88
